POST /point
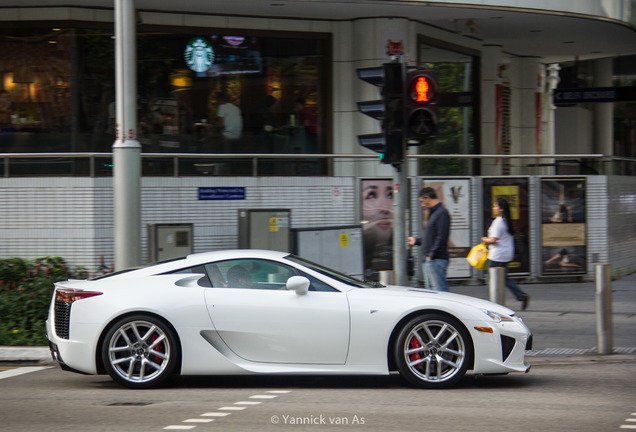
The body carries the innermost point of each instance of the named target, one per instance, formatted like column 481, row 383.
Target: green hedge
column 26, row 287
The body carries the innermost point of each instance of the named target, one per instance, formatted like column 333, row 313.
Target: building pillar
column 526, row 111
column 603, row 111
column 491, row 90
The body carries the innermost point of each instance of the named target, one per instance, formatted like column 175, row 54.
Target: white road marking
column 21, row 371
column 227, row 408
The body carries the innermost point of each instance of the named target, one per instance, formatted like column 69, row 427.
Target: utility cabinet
column 339, row 248
column 169, row 241
column 265, row 229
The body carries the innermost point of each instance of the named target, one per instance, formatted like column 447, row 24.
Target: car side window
column 203, row 281
column 318, row 285
column 253, row 273
column 259, row 274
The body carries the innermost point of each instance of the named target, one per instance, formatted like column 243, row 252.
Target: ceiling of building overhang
column 520, row 32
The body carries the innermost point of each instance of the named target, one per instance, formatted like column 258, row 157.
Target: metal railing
column 241, row 164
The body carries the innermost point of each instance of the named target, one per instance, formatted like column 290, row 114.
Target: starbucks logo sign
column 199, row 55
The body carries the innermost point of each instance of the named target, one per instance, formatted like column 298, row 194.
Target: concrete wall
column 73, row 217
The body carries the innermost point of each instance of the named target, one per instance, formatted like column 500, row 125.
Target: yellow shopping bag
column 478, row 256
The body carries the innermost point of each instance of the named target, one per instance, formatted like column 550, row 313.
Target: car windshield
column 333, row 274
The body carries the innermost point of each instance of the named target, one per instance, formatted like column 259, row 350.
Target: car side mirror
column 300, row 284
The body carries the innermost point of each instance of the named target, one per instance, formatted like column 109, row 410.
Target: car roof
column 199, row 259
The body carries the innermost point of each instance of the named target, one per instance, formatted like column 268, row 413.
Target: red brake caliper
column 158, row 348
column 414, row 345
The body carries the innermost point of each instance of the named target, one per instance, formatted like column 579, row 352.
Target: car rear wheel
column 140, row 351
column 433, row 351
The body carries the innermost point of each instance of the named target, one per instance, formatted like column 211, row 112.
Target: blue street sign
column 221, row 193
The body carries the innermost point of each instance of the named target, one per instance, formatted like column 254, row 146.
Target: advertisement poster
column 455, row 196
column 377, row 225
column 515, row 191
column 563, row 226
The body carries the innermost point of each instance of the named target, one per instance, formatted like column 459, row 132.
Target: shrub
column 26, row 287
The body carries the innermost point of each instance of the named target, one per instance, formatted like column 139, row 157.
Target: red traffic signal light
column 421, row 110
column 422, row 89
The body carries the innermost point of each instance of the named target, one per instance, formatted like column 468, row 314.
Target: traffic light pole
column 400, row 217
column 400, row 193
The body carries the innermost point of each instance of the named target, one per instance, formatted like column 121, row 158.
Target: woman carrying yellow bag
column 478, row 256
column 501, row 247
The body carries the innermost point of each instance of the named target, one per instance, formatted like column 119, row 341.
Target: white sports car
column 264, row 312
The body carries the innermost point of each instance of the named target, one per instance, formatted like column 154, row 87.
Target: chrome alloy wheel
column 433, row 351
column 138, row 352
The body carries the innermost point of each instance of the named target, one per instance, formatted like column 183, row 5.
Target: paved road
column 575, row 396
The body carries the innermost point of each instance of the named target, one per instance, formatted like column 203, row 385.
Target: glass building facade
column 57, row 93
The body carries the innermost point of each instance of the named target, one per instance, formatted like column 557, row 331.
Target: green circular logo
column 199, row 54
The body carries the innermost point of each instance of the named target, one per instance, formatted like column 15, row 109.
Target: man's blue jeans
column 435, row 274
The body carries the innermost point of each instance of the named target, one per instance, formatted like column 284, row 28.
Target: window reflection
column 203, row 92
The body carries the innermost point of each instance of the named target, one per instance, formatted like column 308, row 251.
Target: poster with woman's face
column 377, row 224
column 563, row 226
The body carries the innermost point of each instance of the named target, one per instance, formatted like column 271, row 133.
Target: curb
column 38, row 355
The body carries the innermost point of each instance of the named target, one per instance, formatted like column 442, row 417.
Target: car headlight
column 497, row 317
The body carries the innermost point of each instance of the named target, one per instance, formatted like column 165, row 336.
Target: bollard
column 386, row 277
column 604, row 331
column 497, row 284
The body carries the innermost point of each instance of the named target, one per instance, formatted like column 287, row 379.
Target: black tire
column 433, row 351
column 140, row 352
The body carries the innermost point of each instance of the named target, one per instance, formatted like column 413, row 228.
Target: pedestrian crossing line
column 20, row 371
column 629, row 420
column 225, row 411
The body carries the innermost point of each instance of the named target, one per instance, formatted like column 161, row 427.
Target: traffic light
column 422, row 114
column 389, row 143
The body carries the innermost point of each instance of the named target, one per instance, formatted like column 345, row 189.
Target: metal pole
column 497, row 284
column 385, row 277
column 126, row 149
column 604, row 330
column 400, row 192
column 400, row 195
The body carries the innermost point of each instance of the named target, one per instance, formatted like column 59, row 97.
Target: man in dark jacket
column 434, row 241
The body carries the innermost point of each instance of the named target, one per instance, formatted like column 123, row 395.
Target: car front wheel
column 433, row 351
column 140, row 351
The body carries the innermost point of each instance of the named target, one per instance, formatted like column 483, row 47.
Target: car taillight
column 70, row 295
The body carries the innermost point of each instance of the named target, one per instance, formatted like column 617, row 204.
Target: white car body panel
column 311, row 328
column 241, row 331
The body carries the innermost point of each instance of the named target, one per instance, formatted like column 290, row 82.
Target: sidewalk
column 562, row 317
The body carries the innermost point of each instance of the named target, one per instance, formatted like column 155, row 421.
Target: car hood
column 435, row 296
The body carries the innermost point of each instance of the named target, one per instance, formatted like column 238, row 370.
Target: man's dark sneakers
column 525, row 301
